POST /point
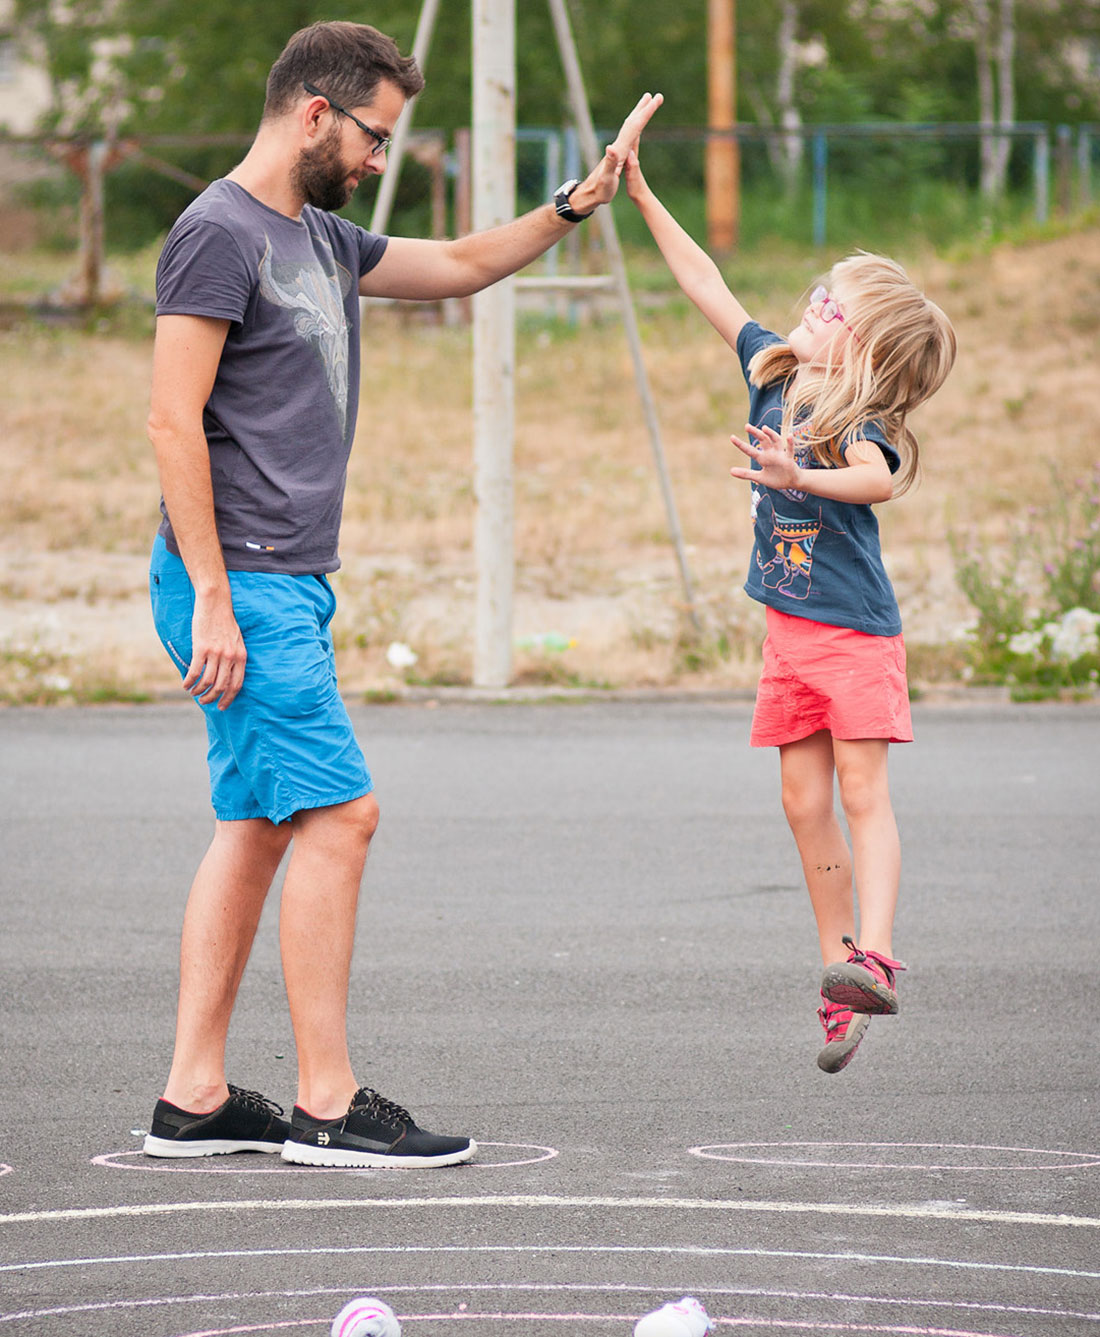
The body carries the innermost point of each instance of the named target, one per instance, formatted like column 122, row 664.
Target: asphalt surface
column 585, row 942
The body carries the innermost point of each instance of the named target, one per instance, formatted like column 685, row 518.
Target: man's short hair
column 345, row 60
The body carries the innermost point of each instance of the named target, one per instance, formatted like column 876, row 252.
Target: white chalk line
column 910, row 1211
column 790, row 1325
column 548, row 1288
column 716, row 1151
column 664, row 1250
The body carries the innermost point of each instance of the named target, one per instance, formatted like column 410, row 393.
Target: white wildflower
column 1026, row 642
column 401, row 656
column 1075, row 635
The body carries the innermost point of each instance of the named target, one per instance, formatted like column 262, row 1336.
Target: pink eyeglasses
column 830, row 309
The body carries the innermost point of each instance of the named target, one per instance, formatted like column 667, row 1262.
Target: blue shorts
column 286, row 742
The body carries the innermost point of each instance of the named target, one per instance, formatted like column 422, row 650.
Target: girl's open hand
column 773, row 453
column 633, row 179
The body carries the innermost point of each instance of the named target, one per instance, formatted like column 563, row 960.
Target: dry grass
column 78, row 489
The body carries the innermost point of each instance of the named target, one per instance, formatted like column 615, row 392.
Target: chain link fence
column 879, row 186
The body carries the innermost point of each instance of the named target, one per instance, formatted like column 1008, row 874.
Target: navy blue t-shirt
column 281, row 415
column 813, row 557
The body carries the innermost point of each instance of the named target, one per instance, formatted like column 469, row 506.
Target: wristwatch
column 561, row 202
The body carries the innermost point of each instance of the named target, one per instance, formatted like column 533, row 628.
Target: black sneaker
column 247, row 1121
column 374, row 1134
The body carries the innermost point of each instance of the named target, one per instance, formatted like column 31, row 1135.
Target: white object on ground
column 399, row 655
column 366, row 1317
column 684, row 1318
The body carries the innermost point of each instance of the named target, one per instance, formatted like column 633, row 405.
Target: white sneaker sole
column 301, row 1153
column 210, row 1146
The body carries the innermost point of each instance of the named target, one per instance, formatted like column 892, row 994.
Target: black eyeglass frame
column 381, row 142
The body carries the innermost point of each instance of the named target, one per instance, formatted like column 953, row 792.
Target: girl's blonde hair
column 901, row 350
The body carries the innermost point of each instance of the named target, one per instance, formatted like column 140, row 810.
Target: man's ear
column 311, row 114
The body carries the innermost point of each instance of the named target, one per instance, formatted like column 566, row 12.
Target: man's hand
column 416, row 269
column 601, row 184
column 217, row 653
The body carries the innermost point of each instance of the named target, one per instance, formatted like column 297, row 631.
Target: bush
column 1038, row 597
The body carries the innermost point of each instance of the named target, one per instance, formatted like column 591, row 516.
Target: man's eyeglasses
column 829, row 308
column 381, row 142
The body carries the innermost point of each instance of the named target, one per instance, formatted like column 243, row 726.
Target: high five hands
column 603, row 181
column 773, row 453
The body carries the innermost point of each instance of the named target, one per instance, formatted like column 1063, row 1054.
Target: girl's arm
column 864, row 479
column 692, row 268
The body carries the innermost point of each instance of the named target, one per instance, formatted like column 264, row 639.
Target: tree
column 995, row 47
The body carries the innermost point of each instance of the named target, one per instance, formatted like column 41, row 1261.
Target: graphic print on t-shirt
column 789, row 571
column 315, row 294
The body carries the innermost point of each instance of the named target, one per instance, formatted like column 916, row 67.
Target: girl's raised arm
column 691, row 267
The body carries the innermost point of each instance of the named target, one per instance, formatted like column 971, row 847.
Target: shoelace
column 254, row 1100
column 875, row 962
column 388, row 1111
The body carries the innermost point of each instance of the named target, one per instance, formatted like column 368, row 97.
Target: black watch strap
column 561, row 203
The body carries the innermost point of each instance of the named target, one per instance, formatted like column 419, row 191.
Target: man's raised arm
column 429, row 270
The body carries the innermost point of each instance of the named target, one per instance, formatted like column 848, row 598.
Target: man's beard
column 320, row 175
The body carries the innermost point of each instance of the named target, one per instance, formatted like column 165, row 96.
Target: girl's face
column 819, row 338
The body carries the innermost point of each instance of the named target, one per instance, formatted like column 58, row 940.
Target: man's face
column 327, row 172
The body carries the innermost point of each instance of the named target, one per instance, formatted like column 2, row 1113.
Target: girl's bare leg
column 807, row 769
column 861, row 767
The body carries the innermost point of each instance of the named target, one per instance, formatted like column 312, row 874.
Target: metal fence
column 866, row 184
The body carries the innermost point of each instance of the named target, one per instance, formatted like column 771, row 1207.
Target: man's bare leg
column 317, row 934
column 219, row 925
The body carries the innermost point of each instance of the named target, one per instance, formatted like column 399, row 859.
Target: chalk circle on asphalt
column 600, row 1320
column 924, row 1156
column 260, row 1163
column 596, row 1323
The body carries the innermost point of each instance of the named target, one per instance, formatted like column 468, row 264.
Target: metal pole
column 1063, row 169
column 387, row 188
column 1042, row 177
column 494, row 203
column 582, row 116
column 821, row 158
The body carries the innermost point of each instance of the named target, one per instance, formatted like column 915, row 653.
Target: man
column 254, row 398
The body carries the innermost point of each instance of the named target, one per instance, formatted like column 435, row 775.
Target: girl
column 826, row 438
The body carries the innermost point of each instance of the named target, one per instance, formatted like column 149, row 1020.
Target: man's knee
column 351, row 824
column 364, row 816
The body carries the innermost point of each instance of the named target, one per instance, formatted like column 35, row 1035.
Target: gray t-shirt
column 281, row 415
